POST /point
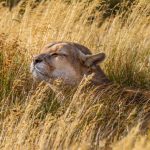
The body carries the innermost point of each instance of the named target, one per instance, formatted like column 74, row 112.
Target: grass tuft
column 111, row 117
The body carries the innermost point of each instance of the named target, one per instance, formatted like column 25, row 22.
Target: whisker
column 40, row 71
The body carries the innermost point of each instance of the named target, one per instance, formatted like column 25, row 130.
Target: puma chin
column 69, row 62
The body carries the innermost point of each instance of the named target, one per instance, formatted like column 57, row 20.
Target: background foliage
column 117, row 116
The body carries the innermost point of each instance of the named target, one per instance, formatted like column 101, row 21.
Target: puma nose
column 37, row 60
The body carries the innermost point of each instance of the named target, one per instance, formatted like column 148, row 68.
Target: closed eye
column 60, row 54
column 54, row 54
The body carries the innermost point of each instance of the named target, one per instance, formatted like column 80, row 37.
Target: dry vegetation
column 32, row 117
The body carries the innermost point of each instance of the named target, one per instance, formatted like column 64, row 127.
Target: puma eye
column 54, row 54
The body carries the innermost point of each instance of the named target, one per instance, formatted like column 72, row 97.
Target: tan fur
column 69, row 62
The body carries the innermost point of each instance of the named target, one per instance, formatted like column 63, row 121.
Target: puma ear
column 94, row 59
column 90, row 60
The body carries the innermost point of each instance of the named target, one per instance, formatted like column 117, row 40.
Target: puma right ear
column 90, row 60
column 95, row 59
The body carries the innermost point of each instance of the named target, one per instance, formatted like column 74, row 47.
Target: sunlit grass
column 35, row 117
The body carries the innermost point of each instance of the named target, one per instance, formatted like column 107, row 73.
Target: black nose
column 37, row 60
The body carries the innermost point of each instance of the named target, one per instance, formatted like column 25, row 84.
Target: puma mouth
column 37, row 70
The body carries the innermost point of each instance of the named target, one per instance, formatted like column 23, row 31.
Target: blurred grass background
column 115, row 117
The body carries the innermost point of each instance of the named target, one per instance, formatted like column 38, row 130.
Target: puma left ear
column 94, row 59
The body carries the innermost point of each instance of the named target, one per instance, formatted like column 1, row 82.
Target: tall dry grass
column 33, row 117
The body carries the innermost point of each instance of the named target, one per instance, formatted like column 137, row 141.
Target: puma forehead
column 69, row 62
